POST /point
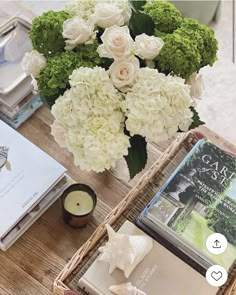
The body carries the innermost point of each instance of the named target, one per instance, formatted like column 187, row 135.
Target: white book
column 160, row 272
column 18, row 230
column 27, row 174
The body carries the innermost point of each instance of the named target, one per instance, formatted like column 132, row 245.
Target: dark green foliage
column 166, row 16
column 179, row 55
column 137, row 157
column 53, row 79
column 137, row 5
column 210, row 45
column 196, row 119
column 141, row 23
column 46, row 32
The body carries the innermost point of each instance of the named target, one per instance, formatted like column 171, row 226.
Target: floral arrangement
column 118, row 74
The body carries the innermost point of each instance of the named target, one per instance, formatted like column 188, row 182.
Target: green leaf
column 141, row 23
column 137, row 157
column 196, row 119
column 137, row 5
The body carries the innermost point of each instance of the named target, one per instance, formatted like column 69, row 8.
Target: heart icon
column 216, row 275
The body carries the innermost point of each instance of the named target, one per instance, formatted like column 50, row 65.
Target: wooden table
column 30, row 266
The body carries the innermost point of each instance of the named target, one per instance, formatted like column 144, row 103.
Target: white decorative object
column 124, row 251
column 126, row 289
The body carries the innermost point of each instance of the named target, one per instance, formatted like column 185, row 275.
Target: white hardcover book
column 160, row 272
column 27, row 174
column 18, row 230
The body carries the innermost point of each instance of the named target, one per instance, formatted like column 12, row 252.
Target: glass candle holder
column 78, row 202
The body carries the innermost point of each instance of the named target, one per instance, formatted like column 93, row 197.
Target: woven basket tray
column 130, row 208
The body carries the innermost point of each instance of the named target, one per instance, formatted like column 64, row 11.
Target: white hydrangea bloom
column 59, row 133
column 82, row 8
column 100, row 142
column 157, row 106
column 86, row 8
column 90, row 112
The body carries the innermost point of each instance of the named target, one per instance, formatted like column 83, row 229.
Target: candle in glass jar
column 78, row 201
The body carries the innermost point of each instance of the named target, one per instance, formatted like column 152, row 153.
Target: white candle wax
column 78, row 203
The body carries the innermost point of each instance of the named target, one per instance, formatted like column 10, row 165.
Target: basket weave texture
column 128, row 209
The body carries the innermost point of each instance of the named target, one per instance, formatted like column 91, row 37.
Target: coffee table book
column 198, row 199
column 27, row 175
column 131, row 207
column 160, row 272
column 20, row 228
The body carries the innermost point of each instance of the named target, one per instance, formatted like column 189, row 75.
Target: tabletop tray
column 131, row 207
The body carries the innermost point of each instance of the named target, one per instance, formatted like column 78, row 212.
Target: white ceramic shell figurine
column 126, row 289
column 124, row 251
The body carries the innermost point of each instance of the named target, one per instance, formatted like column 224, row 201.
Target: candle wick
column 78, row 204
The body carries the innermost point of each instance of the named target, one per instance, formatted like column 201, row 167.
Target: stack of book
column 30, row 181
column 198, row 200
column 17, row 100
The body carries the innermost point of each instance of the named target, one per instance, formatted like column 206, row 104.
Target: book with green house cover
column 198, row 199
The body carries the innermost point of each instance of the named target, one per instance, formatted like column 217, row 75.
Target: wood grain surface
column 31, row 265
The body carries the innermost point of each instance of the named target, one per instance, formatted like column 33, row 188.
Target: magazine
column 198, row 199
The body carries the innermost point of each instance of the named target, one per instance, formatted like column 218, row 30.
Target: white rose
column 107, row 15
column 197, row 86
column 148, row 47
column 77, row 31
column 124, row 72
column 33, row 62
column 117, row 43
column 125, row 7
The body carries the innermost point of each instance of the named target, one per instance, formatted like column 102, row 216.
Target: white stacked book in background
column 17, row 100
column 30, row 181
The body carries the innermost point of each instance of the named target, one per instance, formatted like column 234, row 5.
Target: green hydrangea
column 46, row 33
column 53, row 79
column 179, row 56
column 194, row 37
column 166, row 16
column 210, row 44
